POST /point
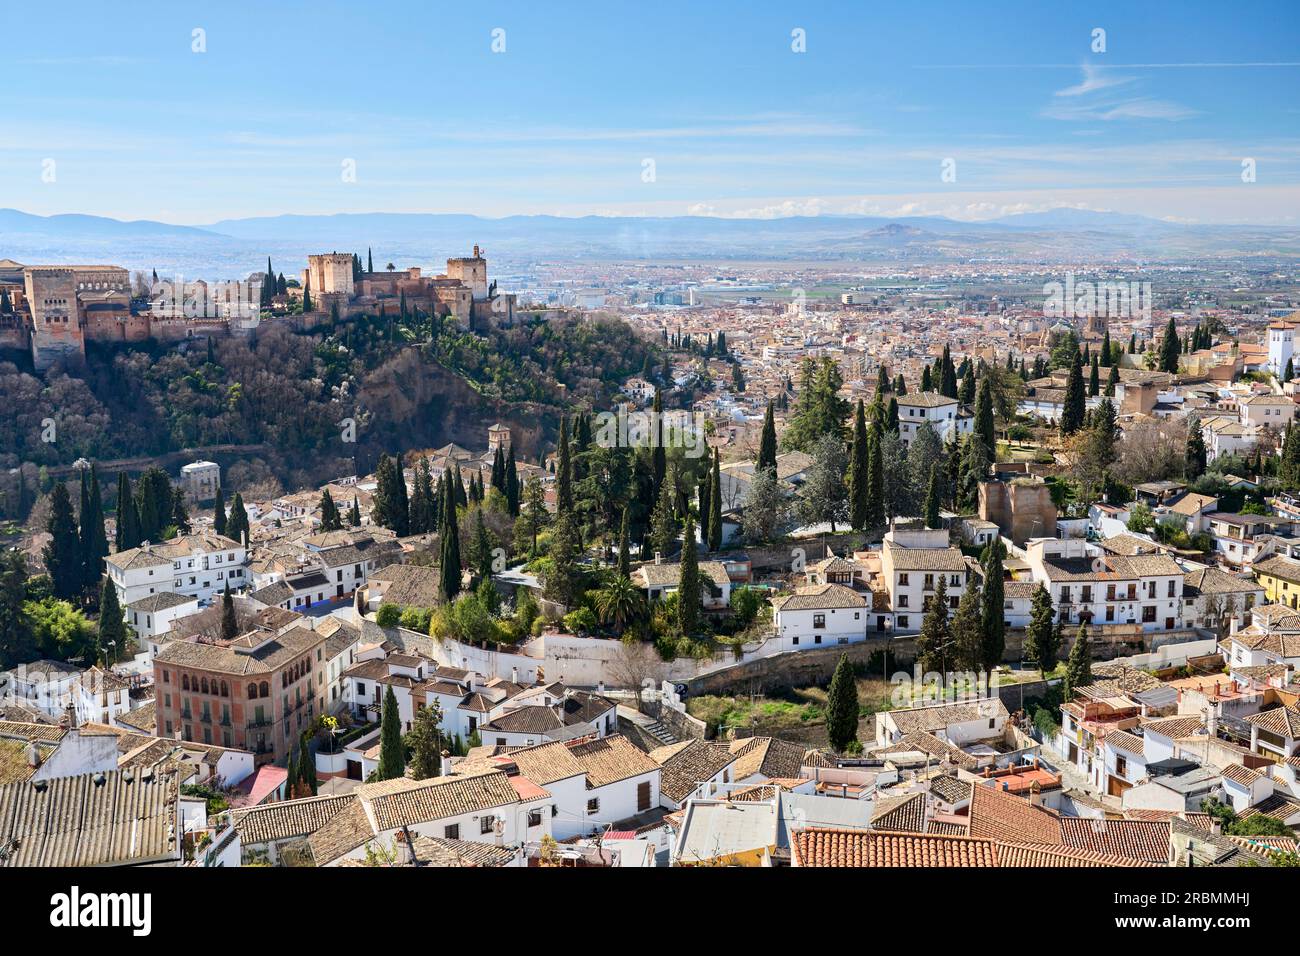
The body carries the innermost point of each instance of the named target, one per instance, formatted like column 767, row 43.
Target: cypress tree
column 63, row 553
column 967, row 629
column 932, row 499
column 219, row 512
column 94, row 540
column 859, row 472
column 767, row 442
column 842, row 706
column 658, row 455
column 354, row 516
column 1078, row 669
column 112, row 624
column 237, row 526
column 1170, row 348
column 1105, row 347
column 180, row 517
column 875, row 480
column 392, row 756
column 128, row 519
column 992, row 608
column 330, row 519
column 703, row 498
column 688, row 587
column 624, row 559
column 1074, row 405
column 512, row 483
column 1194, row 458
column 1041, row 637
column 1111, row 381
column 401, row 502
column 449, row 562
column 934, row 643
column 715, row 504
column 1094, row 378
column 984, row 425
column 229, row 620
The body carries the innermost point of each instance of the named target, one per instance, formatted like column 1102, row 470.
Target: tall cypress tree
column 93, row 539
column 859, row 472
column 875, row 480
column 624, row 558
column 229, row 620
column 1194, row 458
column 112, row 624
column 237, row 526
column 564, row 472
column 932, row 496
column 842, row 708
column 449, row 561
column 992, row 609
column 1078, row 669
column 392, row 755
column 1041, row 636
column 984, row 426
column 715, row 504
column 1074, row 405
column 767, row 442
column 128, row 519
column 658, row 455
column 1170, row 348
column 512, row 483
column 219, row 511
column 688, row 587
column 63, row 553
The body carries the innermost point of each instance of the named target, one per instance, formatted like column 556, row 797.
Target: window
column 534, row 818
column 902, row 580
column 1171, row 588
column 643, row 796
column 819, row 620
column 593, row 806
column 451, row 831
column 1121, row 766
column 902, row 621
column 902, row 600
column 485, row 824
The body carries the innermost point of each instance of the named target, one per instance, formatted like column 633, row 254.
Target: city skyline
column 664, row 112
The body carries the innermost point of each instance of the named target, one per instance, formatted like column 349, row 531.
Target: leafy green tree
column 424, row 740
column 620, row 602
column 823, row 497
column 842, row 707
column 563, row 582
column 1042, row 640
column 819, row 410
column 392, row 755
column 765, row 509
column 17, row 641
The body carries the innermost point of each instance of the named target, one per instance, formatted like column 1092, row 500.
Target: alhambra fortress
column 54, row 310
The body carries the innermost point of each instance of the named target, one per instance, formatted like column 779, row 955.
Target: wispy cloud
column 1098, row 97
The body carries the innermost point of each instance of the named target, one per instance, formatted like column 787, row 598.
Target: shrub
column 389, row 615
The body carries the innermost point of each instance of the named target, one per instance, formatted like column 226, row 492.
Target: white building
column 941, row 412
column 200, row 480
column 52, row 687
column 195, row 565
column 1101, row 588
column 823, row 614
column 911, row 563
column 156, row 614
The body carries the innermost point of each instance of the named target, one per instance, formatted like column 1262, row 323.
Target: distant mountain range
column 235, row 246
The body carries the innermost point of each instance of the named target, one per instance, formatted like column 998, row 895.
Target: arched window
column 185, row 682
column 204, row 684
column 252, row 692
column 265, row 690
column 225, row 689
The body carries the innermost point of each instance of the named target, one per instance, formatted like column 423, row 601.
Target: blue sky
column 737, row 123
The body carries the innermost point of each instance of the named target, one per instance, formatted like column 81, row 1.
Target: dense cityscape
column 875, row 533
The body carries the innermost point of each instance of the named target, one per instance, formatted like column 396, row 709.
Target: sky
column 192, row 113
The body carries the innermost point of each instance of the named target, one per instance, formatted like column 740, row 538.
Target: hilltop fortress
column 54, row 310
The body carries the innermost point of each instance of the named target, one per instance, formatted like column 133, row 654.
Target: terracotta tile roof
column 1134, row 839
column 287, row 819
column 1242, row 775
column 611, row 759
column 1177, row 728
column 1003, row 816
column 814, row 597
column 688, row 764
column 904, row 813
column 857, row 848
column 1283, row 721
column 768, row 756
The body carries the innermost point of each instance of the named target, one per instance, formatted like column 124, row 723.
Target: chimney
column 659, row 558
column 1216, row 826
column 404, row 852
column 1035, row 794
column 514, row 675
column 33, row 754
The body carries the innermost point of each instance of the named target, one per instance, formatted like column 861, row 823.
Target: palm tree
column 618, row 602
